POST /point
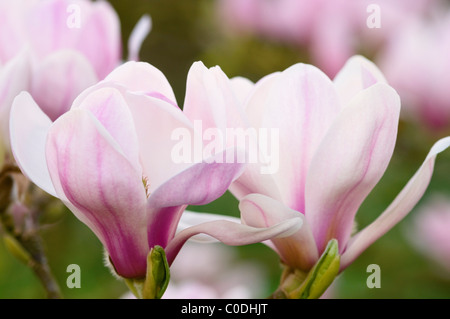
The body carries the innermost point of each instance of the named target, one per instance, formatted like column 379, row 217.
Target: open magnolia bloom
column 55, row 49
column 109, row 159
column 69, row 45
column 335, row 140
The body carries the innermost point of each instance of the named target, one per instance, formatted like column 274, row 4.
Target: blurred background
column 254, row 38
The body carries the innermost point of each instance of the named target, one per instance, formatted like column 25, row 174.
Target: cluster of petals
column 336, row 139
column 322, row 26
column 109, row 159
column 55, row 49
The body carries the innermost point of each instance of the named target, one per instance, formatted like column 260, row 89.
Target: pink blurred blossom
column 330, row 30
column 55, row 49
column 214, row 272
column 416, row 62
column 430, row 230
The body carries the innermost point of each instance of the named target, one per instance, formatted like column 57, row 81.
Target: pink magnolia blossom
column 331, row 31
column 55, row 49
column 67, row 51
column 429, row 230
column 109, row 159
column 416, row 63
column 336, row 139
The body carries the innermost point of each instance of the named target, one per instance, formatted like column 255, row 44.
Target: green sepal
column 299, row 284
column 135, row 286
column 322, row 274
column 158, row 274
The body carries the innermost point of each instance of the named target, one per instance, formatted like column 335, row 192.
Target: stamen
column 146, row 185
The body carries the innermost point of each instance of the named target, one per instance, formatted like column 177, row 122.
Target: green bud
column 158, row 274
column 322, row 274
column 298, row 284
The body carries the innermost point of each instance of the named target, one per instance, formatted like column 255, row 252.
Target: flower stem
column 39, row 265
column 21, row 231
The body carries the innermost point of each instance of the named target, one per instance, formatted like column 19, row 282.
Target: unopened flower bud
column 157, row 278
column 158, row 274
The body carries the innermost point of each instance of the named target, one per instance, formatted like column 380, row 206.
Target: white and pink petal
column 398, row 209
column 101, row 187
column 298, row 250
column 29, row 127
column 349, row 162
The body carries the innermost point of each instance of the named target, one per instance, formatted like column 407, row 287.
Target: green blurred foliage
column 187, row 31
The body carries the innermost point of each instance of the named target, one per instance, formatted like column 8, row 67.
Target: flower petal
column 357, row 74
column 99, row 37
column 157, row 123
column 297, row 250
column 58, row 80
column 253, row 180
column 190, row 218
column 12, row 33
column 241, row 87
column 211, row 179
column 47, row 28
column 255, row 105
column 137, row 37
column 211, row 99
column 349, row 163
column 90, row 28
column 14, row 77
column 142, row 77
column 29, row 127
column 231, row 233
column 301, row 105
column 101, row 187
column 197, row 185
column 161, row 128
column 111, row 110
column 398, row 209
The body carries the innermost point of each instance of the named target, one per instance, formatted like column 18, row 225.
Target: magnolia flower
column 109, row 159
column 430, row 228
column 415, row 61
column 57, row 48
column 71, row 45
column 331, row 31
column 336, row 139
